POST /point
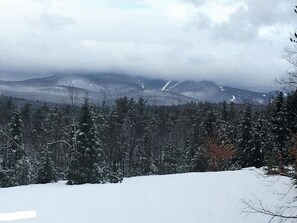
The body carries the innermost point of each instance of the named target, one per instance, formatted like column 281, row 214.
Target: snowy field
column 184, row 198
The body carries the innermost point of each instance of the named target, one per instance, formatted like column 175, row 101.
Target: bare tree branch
column 59, row 141
column 278, row 214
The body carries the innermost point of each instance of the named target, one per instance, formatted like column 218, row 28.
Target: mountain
column 58, row 88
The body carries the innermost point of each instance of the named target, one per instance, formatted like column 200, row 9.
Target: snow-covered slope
column 189, row 198
column 109, row 86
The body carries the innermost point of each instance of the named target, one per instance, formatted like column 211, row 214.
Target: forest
column 91, row 143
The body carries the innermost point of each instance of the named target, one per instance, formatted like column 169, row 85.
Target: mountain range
column 60, row 88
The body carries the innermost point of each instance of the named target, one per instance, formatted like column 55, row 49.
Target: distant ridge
column 109, row 86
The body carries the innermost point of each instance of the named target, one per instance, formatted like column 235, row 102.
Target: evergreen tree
column 86, row 166
column 6, row 177
column 7, row 110
column 16, row 170
column 245, row 141
column 195, row 151
column 199, row 161
column 210, row 124
column 224, row 113
column 17, row 146
column 233, row 112
column 107, row 128
column 232, row 124
column 169, row 158
column 38, row 128
column 122, row 127
column 23, row 171
column 147, row 166
column 47, row 172
column 27, row 119
column 260, row 143
column 291, row 108
column 281, row 133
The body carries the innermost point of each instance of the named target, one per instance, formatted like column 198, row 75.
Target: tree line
column 104, row 143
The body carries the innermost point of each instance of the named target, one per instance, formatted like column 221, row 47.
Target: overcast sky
column 234, row 42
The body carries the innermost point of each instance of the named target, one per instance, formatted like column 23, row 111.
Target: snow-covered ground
column 183, row 198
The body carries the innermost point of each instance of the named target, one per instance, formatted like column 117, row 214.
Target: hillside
column 212, row 197
column 108, row 86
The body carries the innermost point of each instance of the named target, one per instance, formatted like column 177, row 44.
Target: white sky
column 233, row 42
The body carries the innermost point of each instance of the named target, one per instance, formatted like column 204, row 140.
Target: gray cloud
column 173, row 39
column 56, row 21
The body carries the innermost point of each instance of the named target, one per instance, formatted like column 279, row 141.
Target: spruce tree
column 16, row 169
column 169, row 158
column 224, row 113
column 246, row 138
column 195, row 151
column 107, row 128
column 280, row 131
column 291, row 107
column 23, row 171
column 86, row 166
column 17, row 146
column 46, row 172
column 210, row 124
column 6, row 179
column 260, row 143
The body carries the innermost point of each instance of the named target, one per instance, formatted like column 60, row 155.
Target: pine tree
column 16, row 170
column 17, row 146
column 232, row 124
column 224, row 113
column 199, row 161
column 138, row 121
column 107, row 128
column 122, row 130
column 55, row 136
column 27, row 119
column 6, row 177
column 291, row 107
column 7, row 110
column 169, row 158
column 233, row 112
column 195, row 151
column 210, row 124
column 246, row 138
column 280, row 131
column 38, row 128
column 261, row 142
column 86, row 166
column 47, row 172
column 23, row 171
column 146, row 156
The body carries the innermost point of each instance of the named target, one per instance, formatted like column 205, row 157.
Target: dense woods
column 42, row 143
